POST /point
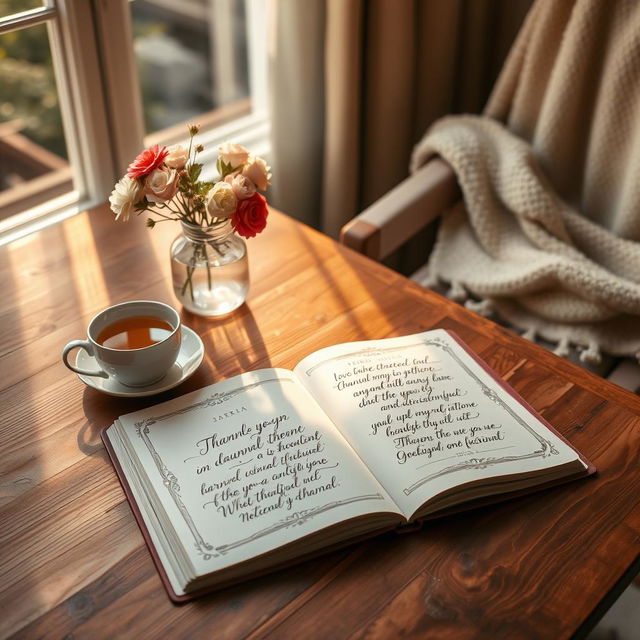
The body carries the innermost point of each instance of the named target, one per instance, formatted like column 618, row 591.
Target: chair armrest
column 409, row 207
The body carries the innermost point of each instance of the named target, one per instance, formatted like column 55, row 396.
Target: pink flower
column 147, row 161
column 250, row 217
column 232, row 154
column 177, row 157
column 258, row 171
column 161, row 185
column 242, row 186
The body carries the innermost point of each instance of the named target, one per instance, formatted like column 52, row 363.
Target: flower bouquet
column 209, row 258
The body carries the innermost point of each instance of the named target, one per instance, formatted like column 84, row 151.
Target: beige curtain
column 355, row 84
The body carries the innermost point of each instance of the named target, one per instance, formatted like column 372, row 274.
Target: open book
column 271, row 466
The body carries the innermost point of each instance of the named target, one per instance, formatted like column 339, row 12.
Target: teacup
column 140, row 361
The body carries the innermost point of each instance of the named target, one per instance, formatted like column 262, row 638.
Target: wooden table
column 73, row 562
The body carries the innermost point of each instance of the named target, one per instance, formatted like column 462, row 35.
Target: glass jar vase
column 210, row 268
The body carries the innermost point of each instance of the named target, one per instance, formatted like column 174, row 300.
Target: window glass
column 33, row 152
column 8, row 7
column 192, row 60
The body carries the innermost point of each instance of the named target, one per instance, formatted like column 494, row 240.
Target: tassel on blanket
column 562, row 349
column 430, row 280
column 483, row 308
column 457, row 292
column 591, row 355
column 530, row 334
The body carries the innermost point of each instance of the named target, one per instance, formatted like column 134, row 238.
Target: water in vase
column 213, row 289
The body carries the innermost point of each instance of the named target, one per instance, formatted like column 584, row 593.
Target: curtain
column 355, row 84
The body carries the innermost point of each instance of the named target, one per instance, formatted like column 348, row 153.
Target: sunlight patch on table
column 91, row 289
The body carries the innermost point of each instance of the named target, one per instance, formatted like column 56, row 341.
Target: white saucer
column 189, row 359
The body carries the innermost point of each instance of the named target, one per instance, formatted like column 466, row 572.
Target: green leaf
column 204, row 187
column 183, row 185
column 194, row 171
column 142, row 204
column 224, row 168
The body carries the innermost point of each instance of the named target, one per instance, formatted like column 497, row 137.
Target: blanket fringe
column 562, row 349
column 530, row 334
column 457, row 292
column 484, row 307
column 591, row 355
column 430, row 280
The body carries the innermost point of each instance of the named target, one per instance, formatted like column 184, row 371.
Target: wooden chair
column 519, row 101
column 403, row 212
column 416, row 203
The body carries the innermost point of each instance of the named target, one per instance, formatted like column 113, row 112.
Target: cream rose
column 258, row 171
column 232, row 154
column 241, row 185
column 221, row 200
column 161, row 185
column 124, row 197
column 177, row 157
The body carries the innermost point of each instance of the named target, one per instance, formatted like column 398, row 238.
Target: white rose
column 258, row 171
column 161, row 185
column 241, row 185
column 232, row 154
column 177, row 157
column 221, row 201
column 124, row 197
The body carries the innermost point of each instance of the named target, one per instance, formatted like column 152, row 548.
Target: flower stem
column 189, row 279
column 191, row 285
column 190, row 145
column 162, row 215
column 188, row 283
column 206, row 259
column 185, row 284
column 185, row 214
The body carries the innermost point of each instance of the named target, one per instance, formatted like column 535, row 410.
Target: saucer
column 189, row 359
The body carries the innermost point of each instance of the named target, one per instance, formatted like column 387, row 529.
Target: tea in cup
column 134, row 343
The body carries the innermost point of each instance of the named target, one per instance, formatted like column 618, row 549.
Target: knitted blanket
column 548, row 233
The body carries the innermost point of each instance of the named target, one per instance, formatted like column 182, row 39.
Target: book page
column 245, row 466
column 425, row 416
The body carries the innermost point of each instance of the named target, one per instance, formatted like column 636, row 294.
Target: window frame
column 74, row 66
column 99, row 95
column 114, row 27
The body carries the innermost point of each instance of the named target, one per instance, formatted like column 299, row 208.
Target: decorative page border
column 546, row 447
column 299, row 518
column 171, row 482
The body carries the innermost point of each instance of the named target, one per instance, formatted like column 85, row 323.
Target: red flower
column 147, row 161
column 250, row 217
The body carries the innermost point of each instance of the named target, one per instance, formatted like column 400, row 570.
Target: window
column 33, row 150
column 41, row 118
column 190, row 60
column 202, row 61
column 85, row 84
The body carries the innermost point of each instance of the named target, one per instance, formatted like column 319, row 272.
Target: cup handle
column 81, row 344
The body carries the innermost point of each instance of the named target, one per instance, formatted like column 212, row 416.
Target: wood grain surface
column 73, row 562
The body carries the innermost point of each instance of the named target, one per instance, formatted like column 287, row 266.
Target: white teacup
column 137, row 367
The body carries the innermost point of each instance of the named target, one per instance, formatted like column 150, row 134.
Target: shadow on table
column 233, row 344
